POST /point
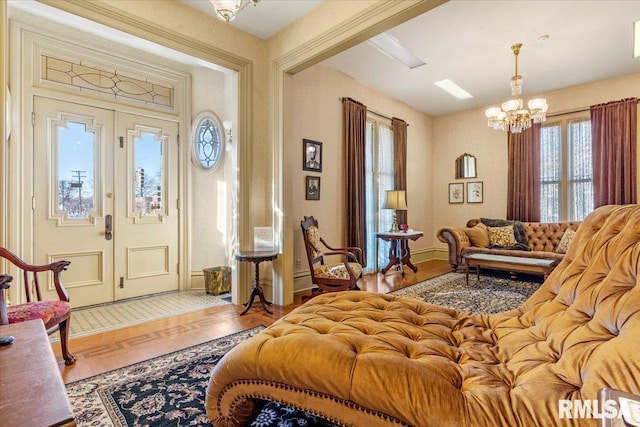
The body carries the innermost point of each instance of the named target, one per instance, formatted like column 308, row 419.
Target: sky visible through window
column 77, row 156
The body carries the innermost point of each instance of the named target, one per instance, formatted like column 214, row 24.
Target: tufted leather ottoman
column 366, row 359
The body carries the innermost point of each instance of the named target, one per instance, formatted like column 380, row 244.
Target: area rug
column 169, row 390
column 92, row 320
column 493, row 293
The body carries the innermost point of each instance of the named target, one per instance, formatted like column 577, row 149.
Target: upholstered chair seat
column 43, row 310
column 337, row 271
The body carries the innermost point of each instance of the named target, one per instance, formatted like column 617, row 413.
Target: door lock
column 108, row 227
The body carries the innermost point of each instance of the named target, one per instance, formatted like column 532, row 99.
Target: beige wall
column 467, row 131
column 315, row 112
column 210, row 191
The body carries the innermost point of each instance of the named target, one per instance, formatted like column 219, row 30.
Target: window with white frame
column 379, row 178
column 566, row 170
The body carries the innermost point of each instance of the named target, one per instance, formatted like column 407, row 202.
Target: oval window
column 207, row 141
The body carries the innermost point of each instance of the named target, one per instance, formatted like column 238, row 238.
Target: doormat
column 92, row 320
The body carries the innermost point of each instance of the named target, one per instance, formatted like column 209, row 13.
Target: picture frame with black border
column 311, row 155
column 474, row 192
column 312, row 187
column 456, row 192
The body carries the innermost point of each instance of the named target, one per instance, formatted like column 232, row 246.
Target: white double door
column 105, row 198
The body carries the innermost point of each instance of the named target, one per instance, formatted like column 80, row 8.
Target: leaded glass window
column 208, row 142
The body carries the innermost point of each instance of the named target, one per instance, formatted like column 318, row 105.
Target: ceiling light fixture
column 227, row 10
column 453, row 89
column 390, row 46
column 513, row 116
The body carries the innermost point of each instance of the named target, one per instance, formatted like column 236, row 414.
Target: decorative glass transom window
column 207, row 141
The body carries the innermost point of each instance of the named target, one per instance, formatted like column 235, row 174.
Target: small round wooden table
column 256, row 257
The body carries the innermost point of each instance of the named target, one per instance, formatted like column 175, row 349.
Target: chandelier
column 513, row 116
column 228, row 9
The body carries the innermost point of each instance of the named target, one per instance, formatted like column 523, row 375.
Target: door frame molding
column 26, row 38
column 105, row 14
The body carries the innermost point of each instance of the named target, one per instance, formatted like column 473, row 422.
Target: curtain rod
column 564, row 113
column 374, row 112
column 576, row 110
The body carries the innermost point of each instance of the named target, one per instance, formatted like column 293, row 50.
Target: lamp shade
column 396, row 199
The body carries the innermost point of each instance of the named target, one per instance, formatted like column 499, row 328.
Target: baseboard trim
column 429, row 254
column 197, row 279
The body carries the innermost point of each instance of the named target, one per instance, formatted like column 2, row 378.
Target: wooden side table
column 256, row 257
column 399, row 253
column 31, row 389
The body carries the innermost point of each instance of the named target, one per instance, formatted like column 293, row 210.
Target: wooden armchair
column 56, row 314
column 330, row 277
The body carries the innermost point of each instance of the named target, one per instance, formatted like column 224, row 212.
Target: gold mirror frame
column 466, row 166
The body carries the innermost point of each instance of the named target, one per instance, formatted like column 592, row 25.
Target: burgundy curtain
column 613, row 139
column 355, row 127
column 399, row 128
column 523, row 176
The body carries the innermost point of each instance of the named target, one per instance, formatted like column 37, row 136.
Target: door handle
column 108, row 227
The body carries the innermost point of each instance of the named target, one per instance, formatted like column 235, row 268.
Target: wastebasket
column 217, row 280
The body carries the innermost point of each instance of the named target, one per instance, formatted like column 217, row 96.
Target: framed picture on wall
column 311, row 155
column 312, row 185
column 474, row 192
column 456, row 192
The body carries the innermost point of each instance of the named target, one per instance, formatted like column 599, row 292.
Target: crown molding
column 107, row 15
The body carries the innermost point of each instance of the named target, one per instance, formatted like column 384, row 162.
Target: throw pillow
column 565, row 241
column 502, row 236
column 478, row 235
column 518, row 229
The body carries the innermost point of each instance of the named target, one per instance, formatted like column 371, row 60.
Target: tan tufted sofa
column 543, row 238
column 369, row 359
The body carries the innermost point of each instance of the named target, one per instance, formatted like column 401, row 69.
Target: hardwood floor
column 109, row 350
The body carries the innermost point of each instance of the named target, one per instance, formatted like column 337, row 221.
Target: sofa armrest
column 457, row 240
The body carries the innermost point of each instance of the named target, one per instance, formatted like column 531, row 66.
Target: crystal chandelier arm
column 513, row 117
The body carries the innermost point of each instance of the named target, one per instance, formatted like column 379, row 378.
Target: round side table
column 256, row 257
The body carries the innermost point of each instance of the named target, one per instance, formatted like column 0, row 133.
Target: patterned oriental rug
column 493, row 293
column 170, row 390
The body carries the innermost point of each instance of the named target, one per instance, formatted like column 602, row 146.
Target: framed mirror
column 466, row 166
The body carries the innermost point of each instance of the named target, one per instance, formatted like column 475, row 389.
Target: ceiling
column 264, row 19
column 469, row 43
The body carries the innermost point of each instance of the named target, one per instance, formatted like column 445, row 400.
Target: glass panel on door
column 75, row 172
column 148, row 179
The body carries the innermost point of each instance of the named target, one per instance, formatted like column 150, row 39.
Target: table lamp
column 396, row 200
